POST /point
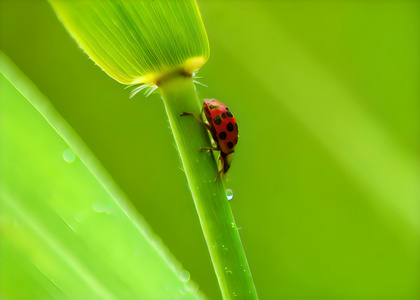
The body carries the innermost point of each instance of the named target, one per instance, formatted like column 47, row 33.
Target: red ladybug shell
column 223, row 128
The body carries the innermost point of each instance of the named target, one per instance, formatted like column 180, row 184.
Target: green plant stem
column 210, row 199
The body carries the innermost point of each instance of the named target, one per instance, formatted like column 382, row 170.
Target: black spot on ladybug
column 213, row 106
column 236, row 141
column 224, row 116
column 222, row 135
column 230, row 145
column 229, row 114
column 230, row 127
column 217, row 120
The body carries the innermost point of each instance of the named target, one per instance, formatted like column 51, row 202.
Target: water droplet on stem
column 184, row 275
column 229, row 194
column 69, row 156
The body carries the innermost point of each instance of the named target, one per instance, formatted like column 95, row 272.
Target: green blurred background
column 326, row 174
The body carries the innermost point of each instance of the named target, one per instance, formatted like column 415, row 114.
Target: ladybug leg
column 209, row 128
column 198, row 119
column 209, row 148
column 218, row 175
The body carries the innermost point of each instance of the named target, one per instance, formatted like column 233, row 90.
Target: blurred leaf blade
column 32, row 235
column 64, row 214
column 138, row 41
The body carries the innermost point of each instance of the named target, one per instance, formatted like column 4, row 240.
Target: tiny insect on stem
column 223, row 128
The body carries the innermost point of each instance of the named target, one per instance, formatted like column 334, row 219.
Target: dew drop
column 98, row 207
column 69, row 156
column 184, row 275
column 229, row 194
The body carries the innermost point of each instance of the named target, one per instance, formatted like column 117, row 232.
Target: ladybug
column 223, row 128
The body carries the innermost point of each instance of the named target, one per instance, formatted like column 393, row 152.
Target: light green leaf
column 138, row 41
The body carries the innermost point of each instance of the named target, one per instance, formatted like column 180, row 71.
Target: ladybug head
column 212, row 103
